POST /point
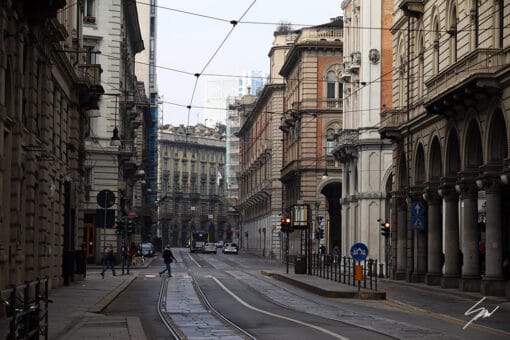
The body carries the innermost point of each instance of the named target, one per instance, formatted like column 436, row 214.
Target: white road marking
column 150, row 275
column 192, row 259
column 320, row 329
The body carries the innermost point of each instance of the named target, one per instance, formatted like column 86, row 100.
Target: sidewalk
column 450, row 304
column 75, row 310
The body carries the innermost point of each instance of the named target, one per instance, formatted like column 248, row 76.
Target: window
column 330, row 141
column 334, row 89
column 89, row 13
column 435, row 60
column 452, row 31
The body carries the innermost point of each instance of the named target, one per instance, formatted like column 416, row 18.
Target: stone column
column 401, row 239
column 492, row 282
column 470, row 280
column 451, row 275
column 435, row 239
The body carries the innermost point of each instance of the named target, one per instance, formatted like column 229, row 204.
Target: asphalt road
column 267, row 309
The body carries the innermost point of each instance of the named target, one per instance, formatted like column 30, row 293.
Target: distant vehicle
column 198, row 240
column 147, row 249
column 219, row 244
column 210, row 248
column 230, row 248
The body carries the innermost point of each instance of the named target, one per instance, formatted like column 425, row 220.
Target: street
column 227, row 296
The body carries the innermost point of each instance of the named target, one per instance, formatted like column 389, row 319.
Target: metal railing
column 341, row 269
column 26, row 308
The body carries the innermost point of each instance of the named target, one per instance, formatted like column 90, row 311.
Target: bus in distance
column 198, row 240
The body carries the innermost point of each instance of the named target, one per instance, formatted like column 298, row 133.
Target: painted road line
column 192, row 259
column 320, row 329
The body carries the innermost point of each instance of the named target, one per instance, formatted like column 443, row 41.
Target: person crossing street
column 168, row 258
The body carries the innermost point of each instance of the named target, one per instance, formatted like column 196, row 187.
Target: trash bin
column 300, row 265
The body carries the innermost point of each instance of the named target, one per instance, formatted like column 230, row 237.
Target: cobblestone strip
column 187, row 312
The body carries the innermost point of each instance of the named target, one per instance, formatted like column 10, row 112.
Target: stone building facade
column 449, row 132
column 366, row 158
column 260, row 144
column 112, row 38
column 312, row 116
column 45, row 92
column 191, row 183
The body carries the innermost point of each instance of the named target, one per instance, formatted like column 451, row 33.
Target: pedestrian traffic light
column 385, row 228
column 119, row 227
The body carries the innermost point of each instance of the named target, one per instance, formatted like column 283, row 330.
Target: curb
column 327, row 293
column 135, row 328
column 447, row 291
column 99, row 306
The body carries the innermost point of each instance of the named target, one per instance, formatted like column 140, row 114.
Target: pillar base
column 400, row 275
column 494, row 286
column 470, row 283
column 450, row 281
column 433, row 279
column 418, row 277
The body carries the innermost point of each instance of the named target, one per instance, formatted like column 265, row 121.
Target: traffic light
column 285, row 224
column 119, row 227
column 385, row 228
column 317, row 233
column 321, row 233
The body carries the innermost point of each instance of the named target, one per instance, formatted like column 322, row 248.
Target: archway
column 333, row 192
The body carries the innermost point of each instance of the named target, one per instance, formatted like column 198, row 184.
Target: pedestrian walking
column 108, row 260
column 168, row 258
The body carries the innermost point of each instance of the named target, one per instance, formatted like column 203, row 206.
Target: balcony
column 472, row 78
column 290, row 169
column 412, row 7
column 355, row 63
column 391, row 120
column 89, row 84
column 90, row 75
column 346, row 143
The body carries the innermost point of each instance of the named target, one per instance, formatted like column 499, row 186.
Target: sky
column 187, row 42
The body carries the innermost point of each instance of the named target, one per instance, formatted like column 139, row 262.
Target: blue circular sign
column 359, row 251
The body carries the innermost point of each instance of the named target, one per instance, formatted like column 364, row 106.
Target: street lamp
column 115, row 141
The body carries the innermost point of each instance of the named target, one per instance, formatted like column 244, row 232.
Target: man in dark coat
column 168, row 257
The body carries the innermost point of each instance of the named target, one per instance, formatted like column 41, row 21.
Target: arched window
column 334, row 88
column 435, row 43
column 421, row 75
column 330, row 141
column 452, row 31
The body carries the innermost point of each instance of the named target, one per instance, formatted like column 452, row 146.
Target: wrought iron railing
column 26, row 308
column 341, row 269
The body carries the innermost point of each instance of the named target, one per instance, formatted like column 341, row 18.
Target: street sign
column 105, row 198
column 417, row 209
column 359, row 251
column 418, row 222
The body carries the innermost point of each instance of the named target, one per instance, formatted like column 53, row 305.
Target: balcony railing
column 475, row 70
column 90, row 74
column 391, row 120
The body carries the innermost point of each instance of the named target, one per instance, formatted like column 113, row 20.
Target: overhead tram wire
column 261, row 23
column 197, row 75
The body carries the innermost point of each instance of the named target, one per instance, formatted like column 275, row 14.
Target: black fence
column 341, row 269
column 26, row 307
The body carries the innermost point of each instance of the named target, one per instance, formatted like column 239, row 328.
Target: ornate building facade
column 112, row 38
column 191, row 183
column 45, row 92
column 366, row 159
column 449, row 132
column 312, row 116
column 260, row 144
